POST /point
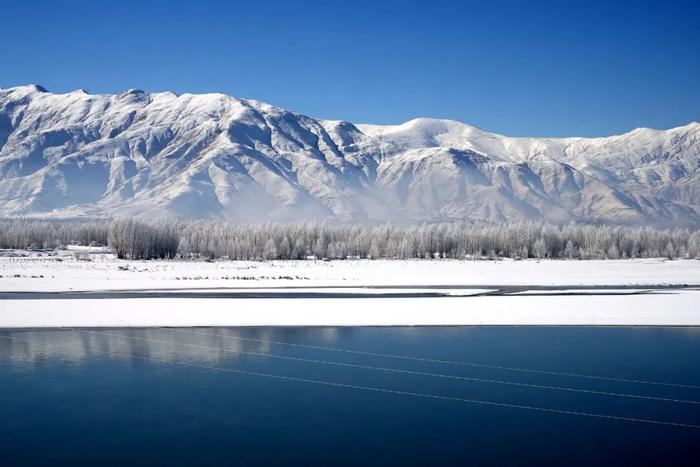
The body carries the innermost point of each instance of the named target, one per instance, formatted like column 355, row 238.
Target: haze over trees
column 162, row 238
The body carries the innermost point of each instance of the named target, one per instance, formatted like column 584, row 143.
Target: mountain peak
column 38, row 88
column 28, row 88
column 132, row 92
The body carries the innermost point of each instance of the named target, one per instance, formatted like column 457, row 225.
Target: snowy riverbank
column 337, row 293
column 677, row 309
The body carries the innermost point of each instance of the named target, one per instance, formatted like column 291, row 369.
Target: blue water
column 168, row 397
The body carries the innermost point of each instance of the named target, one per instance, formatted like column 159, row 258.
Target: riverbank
column 94, row 289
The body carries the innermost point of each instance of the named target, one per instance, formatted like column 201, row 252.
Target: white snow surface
column 680, row 309
column 103, row 273
column 216, row 156
column 67, row 272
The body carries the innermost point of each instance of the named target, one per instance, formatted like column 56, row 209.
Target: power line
column 446, row 362
column 402, row 371
column 394, row 391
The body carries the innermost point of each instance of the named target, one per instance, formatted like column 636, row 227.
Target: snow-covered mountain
column 215, row 156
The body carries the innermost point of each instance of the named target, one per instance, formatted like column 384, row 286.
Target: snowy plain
column 80, row 270
column 612, row 292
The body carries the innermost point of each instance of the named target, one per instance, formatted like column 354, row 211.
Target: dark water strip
column 289, row 292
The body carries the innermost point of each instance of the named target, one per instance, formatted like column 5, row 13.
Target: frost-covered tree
column 163, row 238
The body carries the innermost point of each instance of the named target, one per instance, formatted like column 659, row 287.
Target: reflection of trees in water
column 210, row 345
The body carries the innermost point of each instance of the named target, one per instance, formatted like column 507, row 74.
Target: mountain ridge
column 217, row 156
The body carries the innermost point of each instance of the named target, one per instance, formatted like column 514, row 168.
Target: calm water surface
column 170, row 397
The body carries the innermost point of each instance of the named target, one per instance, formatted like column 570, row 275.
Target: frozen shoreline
column 677, row 309
column 105, row 292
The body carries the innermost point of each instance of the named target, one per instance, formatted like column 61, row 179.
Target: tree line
column 164, row 238
column 40, row 234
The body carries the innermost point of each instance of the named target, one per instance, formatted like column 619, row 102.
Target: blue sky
column 516, row 67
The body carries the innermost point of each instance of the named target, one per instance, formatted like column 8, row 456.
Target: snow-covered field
column 635, row 301
column 79, row 270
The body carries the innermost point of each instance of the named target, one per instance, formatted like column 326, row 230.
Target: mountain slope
column 216, row 156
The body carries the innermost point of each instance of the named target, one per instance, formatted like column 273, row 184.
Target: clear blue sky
column 516, row 67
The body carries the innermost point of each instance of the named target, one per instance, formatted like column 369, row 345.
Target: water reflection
column 205, row 345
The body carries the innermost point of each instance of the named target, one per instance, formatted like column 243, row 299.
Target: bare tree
column 166, row 238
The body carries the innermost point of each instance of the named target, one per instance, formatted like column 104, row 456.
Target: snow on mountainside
column 215, row 156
